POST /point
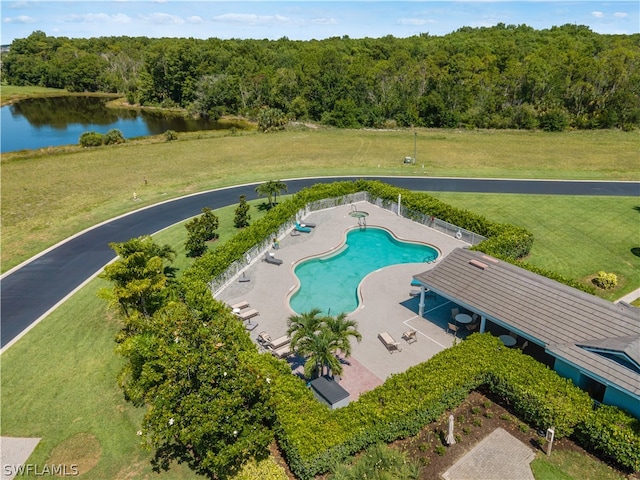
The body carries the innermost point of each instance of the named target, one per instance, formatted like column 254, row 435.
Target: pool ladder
column 362, row 223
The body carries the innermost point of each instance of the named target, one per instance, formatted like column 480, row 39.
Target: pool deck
column 386, row 306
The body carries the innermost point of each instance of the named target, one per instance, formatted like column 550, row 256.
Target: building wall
column 613, row 396
column 567, row 371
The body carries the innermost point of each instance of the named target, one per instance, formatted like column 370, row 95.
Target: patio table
column 508, row 340
column 463, row 318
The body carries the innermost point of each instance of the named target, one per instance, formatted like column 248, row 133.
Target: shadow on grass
column 636, row 251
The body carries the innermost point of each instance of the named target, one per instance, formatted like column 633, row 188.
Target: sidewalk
column 630, row 297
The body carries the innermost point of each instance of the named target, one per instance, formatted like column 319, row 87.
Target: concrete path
column 499, row 456
column 13, row 453
column 630, row 297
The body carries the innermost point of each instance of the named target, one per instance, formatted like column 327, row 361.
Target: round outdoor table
column 463, row 318
column 508, row 340
column 236, row 311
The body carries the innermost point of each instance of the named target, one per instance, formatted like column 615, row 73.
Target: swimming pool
column 330, row 283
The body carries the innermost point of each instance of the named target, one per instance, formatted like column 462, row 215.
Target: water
column 54, row 121
column 332, row 282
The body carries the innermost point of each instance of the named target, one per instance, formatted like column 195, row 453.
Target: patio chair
column 388, row 341
column 452, row 327
column 264, row 338
column 410, row 336
column 301, row 228
column 472, row 327
column 454, row 312
column 524, row 345
column 248, row 314
column 414, row 293
column 270, row 258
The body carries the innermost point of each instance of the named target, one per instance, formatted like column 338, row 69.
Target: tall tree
column 139, row 278
column 242, row 217
column 199, row 231
column 208, row 401
column 271, row 189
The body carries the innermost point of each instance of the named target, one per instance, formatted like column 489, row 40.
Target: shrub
column 440, row 450
column 606, row 280
column 113, row 136
column 170, row 136
column 613, row 433
column 91, row 139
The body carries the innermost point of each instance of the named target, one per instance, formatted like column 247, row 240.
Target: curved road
column 30, row 291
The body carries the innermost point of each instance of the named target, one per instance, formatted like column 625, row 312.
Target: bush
column 91, row 139
column 170, row 136
column 113, row 136
column 613, row 433
column 605, row 280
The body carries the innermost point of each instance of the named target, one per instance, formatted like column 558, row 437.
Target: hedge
column 312, row 437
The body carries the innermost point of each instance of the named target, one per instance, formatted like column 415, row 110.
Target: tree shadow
column 637, row 208
column 636, row 251
column 264, row 206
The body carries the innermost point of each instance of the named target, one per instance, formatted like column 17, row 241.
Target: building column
column 421, row 304
column 483, row 323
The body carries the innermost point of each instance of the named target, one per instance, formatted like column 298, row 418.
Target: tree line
column 505, row 76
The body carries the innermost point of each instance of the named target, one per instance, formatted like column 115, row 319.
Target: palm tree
column 320, row 350
column 343, row 328
column 318, row 339
column 302, row 327
column 271, row 189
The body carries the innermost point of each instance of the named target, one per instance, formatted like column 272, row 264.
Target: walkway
column 499, row 456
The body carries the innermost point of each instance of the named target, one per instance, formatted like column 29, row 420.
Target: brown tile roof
column 557, row 316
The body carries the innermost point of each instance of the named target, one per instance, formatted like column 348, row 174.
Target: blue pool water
column 331, row 283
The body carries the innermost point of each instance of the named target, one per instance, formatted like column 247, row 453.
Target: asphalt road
column 30, row 292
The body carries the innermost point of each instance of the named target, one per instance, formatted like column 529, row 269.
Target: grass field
column 576, row 236
column 51, row 194
column 58, row 383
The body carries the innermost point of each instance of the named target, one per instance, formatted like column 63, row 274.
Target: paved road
column 28, row 293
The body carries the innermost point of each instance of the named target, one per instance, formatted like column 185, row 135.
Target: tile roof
column 561, row 318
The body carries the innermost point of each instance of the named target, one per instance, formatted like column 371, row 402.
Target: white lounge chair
column 388, row 341
column 240, row 305
column 248, row 314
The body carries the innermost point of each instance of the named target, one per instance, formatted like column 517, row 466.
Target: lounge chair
column 270, row 258
column 248, row 314
column 279, row 342
column 410, row 336
column 414, row 293
column 310, row 225
column 301, row 228
column 240, row 305
column 282, row 352
column 388, row 341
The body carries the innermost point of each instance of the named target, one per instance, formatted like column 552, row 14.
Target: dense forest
column 500, row 77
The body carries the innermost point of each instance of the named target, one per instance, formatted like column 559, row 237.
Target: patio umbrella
column 450, row 438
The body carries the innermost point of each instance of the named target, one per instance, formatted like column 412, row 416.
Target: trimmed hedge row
column 313, row 437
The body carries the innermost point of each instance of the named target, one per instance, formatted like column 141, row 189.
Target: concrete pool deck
column 387, row 305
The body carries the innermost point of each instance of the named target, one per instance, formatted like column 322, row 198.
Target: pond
column 53, row 121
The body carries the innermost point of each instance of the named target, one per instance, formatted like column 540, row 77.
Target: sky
column 302, row 20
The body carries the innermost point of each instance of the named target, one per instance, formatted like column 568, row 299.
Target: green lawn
column 567, row 465
column 50, row 194
column 576, row 236
column 59, row 381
